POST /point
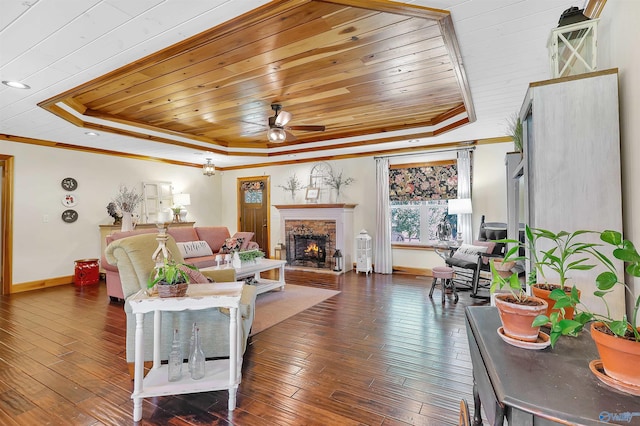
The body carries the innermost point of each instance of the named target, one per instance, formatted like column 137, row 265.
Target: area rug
column 276, row 306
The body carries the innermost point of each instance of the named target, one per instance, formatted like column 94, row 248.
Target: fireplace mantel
column 314, row 206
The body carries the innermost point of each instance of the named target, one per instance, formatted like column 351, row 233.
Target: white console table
column 219, row 374
column 248, row 269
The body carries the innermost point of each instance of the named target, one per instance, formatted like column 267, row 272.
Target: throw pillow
column 246, row 236
column 194, row 249
column 231, row 245
column 490, row 245
column 469, row 253
column 195, row 276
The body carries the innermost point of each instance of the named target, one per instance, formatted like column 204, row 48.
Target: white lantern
column 363, row 252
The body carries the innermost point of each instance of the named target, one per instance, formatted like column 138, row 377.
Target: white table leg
column 281, row 276
column 138, row 367
column 233, row 357
column 157, row 327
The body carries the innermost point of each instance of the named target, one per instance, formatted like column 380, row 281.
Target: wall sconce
column 208, row 169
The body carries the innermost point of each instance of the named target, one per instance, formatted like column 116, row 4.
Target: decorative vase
column 127, row 222
column 517, row 318
column 235, row 260
column 197, row 359
column 620, row 357
column 539, row 291
column 175, row 359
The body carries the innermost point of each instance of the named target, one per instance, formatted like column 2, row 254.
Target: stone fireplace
column 313, row 232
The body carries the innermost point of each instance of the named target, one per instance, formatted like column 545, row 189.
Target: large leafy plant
column 169, row 273
column 623, row 250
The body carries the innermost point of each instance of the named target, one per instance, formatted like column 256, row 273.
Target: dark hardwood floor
column 379, row 353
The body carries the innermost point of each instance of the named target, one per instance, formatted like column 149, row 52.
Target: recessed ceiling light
column 91, row 134
column 414, row 140
column 15, row 84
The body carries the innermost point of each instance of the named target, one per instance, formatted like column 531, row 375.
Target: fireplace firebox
column 305, row 248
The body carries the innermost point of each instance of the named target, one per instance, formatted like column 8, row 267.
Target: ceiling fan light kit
column 277, row 132
column 276, row 135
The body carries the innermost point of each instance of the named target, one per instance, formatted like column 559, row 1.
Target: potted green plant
column 517, row 310
column 293, row 185
column 515, row 131
column 617, row 339
column 250, row 255
column 565, row 253
column 170, row 279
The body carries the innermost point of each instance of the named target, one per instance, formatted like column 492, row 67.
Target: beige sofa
column 215, row 237
column 132, row 256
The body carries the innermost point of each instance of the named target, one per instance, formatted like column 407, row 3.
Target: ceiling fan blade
column 307, row 128
column 290, row 136
column 282, row 118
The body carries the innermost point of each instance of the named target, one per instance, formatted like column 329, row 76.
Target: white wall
column 618, row 36
column 44, row 250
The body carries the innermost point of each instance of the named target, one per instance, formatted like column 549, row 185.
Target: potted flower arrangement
column 293, row 185
column 337, row 182
column 126, row 202
column 517, row 310
column 170, row 279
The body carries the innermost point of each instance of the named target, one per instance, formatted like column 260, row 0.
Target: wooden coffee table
column 254, row 269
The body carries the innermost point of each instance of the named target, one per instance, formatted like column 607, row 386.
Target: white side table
column 219, row 374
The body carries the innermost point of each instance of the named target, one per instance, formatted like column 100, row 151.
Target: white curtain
column 464, row 191
column 382, row 256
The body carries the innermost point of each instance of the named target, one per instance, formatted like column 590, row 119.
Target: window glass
column 417, row 221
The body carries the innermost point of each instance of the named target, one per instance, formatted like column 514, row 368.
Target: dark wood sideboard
column 540, row 387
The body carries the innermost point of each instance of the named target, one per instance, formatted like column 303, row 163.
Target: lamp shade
column 460, row 206
column 181, row 199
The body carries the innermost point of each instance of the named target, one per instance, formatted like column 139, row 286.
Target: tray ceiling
column 357, row 68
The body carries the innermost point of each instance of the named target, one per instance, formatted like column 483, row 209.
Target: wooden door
column 253, row 209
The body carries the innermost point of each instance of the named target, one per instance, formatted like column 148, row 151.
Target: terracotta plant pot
column 503, row 268
column 544, row 295
column 620, row 357
column 516, row 318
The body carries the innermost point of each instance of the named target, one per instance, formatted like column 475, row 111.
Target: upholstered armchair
column 132, row 256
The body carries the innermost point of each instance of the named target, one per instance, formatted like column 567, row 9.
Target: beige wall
column 489, row 194
column 618, row 36
column 44, row 247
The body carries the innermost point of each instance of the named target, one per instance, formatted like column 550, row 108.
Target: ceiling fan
column 277, row 132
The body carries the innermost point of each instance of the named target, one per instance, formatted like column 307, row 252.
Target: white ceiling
column 56, row 45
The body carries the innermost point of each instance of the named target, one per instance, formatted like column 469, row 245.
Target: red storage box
column 87, row 272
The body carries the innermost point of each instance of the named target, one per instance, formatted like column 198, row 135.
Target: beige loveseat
column 132, row 256
column 214, row 236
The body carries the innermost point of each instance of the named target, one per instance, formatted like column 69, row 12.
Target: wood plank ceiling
column 356, row 67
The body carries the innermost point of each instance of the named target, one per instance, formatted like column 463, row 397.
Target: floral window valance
column 423, row 182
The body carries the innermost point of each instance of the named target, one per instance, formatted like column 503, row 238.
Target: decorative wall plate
column 69, row 200
column 69, row 184
column 69, row 216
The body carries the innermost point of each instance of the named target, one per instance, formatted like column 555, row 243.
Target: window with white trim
column 418, row 195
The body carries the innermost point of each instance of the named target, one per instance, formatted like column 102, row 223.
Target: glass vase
column 197, row 359
column 175, row 359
